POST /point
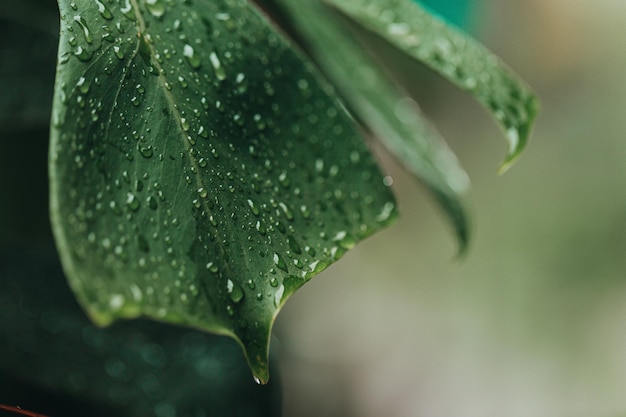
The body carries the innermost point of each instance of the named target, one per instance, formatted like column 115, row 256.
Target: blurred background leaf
column 56, row 361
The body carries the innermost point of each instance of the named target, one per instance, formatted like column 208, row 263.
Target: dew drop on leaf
column 156, row 7
column 103, row 10
column 192, row 58
column 220, row 73
column 83, row 24
column 82, row 54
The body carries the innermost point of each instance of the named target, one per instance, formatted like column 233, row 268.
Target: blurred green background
column 532, row 322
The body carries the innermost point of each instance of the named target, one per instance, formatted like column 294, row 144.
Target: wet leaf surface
column 200, row 170
column 456, row 56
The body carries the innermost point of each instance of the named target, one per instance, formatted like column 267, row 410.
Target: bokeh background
column 532, row 322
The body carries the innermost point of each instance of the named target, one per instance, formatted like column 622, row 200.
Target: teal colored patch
column 457, row 12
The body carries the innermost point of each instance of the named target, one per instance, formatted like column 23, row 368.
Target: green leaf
column 201, row 171
column 381, row 105
column 457, row 57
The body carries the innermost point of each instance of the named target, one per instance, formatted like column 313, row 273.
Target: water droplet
column 235, row 292
column 220, row 73
column 202, row 131
column 83, row 85
column 386, row 212
column 104, row 11
column 278, row 297
column 283, row 179
column 82, row 54
column 193, row 59
column 132, row 202
column 255, row 209
column 280, row 262
column 345, row 240
column 242, row 83
column 156, row 7
column 212, row 267
column 118, row 52
column 83, row 24
column 146, row 152
column 128, row 11
column 286, row 210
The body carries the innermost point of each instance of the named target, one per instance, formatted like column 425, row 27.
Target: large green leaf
column 200, row 170
column 383, row 107
column 459, row 58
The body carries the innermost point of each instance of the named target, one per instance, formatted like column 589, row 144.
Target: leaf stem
column 20, row 411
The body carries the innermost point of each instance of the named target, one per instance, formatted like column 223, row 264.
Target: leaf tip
column 518, row 136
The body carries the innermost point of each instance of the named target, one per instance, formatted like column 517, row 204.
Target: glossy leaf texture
column 383, row 107
column 456, row 56
column 201, row 171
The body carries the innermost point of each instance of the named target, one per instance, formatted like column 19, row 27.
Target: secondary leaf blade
column 200, row 170
column 456, row 56
column 383, row 108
